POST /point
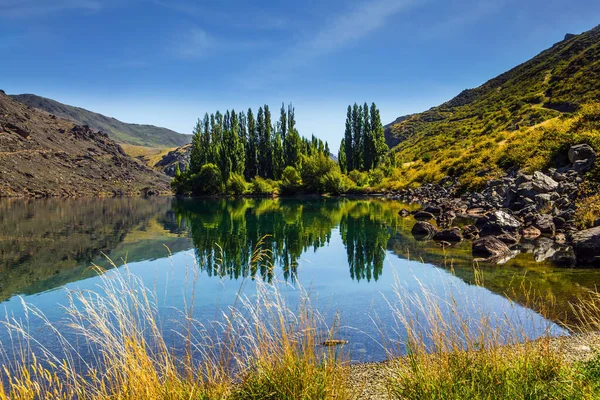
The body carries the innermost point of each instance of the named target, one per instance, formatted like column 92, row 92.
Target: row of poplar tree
column 251, row 146
column 363, row 147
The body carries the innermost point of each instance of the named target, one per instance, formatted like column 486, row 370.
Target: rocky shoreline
column 509, row 209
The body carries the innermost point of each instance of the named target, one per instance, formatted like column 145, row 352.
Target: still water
column 347, row 253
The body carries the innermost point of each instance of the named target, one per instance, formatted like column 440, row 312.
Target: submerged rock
column 423, row 229
column 448, row 235
column 424, row 216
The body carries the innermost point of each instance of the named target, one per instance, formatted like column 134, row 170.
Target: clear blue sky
column 166, row 62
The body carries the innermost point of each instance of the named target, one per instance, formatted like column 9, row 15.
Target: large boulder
column 497, row 223
column 423, row 229
column 489, row 246
column 586, row 245
column 581, row 152
column 583, row 157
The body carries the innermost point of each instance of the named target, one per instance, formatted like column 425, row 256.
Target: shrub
column 236, row 185
column 314, row 169
column 375, row 177
column 290, row 181
column 180, row 184
column 208, row 181
column 359, row 178
column 262, row 187
column 335, row 182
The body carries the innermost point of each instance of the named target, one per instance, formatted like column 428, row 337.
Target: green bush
column 262, row 187
column 359, row 178
column 314, row 169
column 290, row 181
column 335, row 182
column 180, row 184
column 207, row 182
column 236, row 185
column 375, row 177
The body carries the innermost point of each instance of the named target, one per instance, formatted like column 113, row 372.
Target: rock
column 581, row 152
column 404, row 213
column 422, row 228
column 470, row 232
column 509, row 239
column 583, row 166
column 564, row 258
column 435, row 210
column 448, row 235
column 545, row 223
column 586, row 245
column 531, row 232
column 545, row 200
column 545, row 248
column 489, row 246
column 497, row 223
column 526, row 190
column 543, row 183
column 424, row 216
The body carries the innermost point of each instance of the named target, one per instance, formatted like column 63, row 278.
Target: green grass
column 521, row 118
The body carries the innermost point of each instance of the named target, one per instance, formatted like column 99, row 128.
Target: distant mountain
column 121, row 132
column 42, row 155
column 454, row 136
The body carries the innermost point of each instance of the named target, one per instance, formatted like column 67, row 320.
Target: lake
column 347, row 253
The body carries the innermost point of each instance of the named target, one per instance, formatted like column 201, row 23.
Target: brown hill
column 42, row 155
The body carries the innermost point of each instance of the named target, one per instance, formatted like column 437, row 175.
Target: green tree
column 349, row 141
column 239, row 126
column 342, row 157
column 251, row 148
column 368, row 140
column 278, row 156
column 208, row 181
column 267, row 151
column 380, row 147
column 357, row 133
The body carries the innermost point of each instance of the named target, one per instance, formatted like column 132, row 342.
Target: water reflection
column 46, row 244
column 225, row 234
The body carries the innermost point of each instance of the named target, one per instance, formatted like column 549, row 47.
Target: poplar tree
column 267, row 151
column 251, row 148
column 349, row 141
column 357, row 132
column 380, row 146
column 342, row 157
column 368, row 140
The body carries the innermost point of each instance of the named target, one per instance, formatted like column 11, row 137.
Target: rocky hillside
column 179, row 156
column 133, row 134
column 476, row 133
column 42, row 155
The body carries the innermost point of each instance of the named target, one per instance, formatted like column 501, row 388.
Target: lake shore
column 371, row 381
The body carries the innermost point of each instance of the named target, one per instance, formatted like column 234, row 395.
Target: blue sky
column 167, row 62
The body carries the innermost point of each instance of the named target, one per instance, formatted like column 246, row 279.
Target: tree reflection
column 226, row 232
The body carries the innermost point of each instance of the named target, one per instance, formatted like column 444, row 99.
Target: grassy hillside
column 523, row 118
column 132, row 134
